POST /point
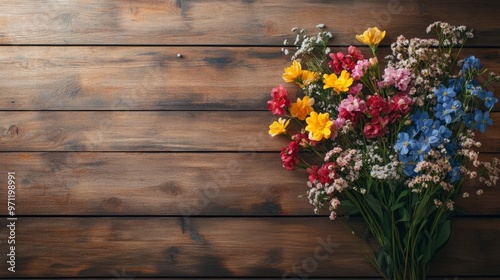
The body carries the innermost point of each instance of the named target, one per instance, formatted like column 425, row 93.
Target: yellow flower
column 302, row 108
column 319, row 126
column 278, row 127
column 309, row 77
column 339, row 84
column 293, row 72
column 372, row 36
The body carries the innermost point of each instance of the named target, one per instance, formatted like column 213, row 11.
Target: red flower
column 377, row 106
column 341, row 61
column 313, row 173
column 303, row 139
column 326, row 173
column 376, row 127
column 290, row 155
column 402, row 103
column 280, row 101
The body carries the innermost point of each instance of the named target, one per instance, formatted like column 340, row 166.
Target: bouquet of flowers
column 391, row 143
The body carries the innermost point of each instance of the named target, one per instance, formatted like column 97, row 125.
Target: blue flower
column 444, row 94
column 445, row 132
column 482, row 119
column 454, row 174
column 456, row 84
column 489, row 99
column 445, row 110
column 473, row 89
column 471, row 62
column 467, row 119
column 424, row 125
column 419, row 115
column 408, row 165
column 404, row 143
column 451, row 148
column 419, row 150
column 432, row 138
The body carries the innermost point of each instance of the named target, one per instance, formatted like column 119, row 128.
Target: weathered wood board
column 138, row 134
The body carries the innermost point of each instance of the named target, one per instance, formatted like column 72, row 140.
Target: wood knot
column 13, row 130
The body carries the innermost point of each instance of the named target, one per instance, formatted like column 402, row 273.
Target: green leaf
column 387, row 244
column 390, row 265
column 402, row 195
column 405, row 216
column 421, row 214
column 380, row 258
column 375, row 205
column 397, row 206
column 443, row 234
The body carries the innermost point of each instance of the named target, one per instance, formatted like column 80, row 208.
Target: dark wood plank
column 151, row 78
column 119, row 275
column 230, row 184
column 184, row 22
column 154, row 131
column 267, row 247
column 136, row 131
column 138, row 78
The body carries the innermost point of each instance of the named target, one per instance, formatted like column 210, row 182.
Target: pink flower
column 355, row 89
column 341, row 61
column 360, row 69
column 332, row 216
column 280, row 101
column 352, row 108
column 399, row 78
column 334, row 203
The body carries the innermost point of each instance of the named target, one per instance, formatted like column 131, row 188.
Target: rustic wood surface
column 150, row 78
column 248, row 22
column 154, row 131
column 76, row 183
column 133, row 162
column 215, row 247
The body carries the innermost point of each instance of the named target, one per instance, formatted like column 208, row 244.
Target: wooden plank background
column 134, row 162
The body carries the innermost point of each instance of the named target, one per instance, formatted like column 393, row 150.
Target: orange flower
column 302, row 108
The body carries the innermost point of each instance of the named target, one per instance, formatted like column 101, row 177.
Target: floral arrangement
column 391, row 143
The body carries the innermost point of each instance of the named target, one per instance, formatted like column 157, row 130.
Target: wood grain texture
column 228, row 184
column 192, row 247
column 264, row 22
column 133, row 162
column 152, row 78
column 123, row 275
column 154, row 131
